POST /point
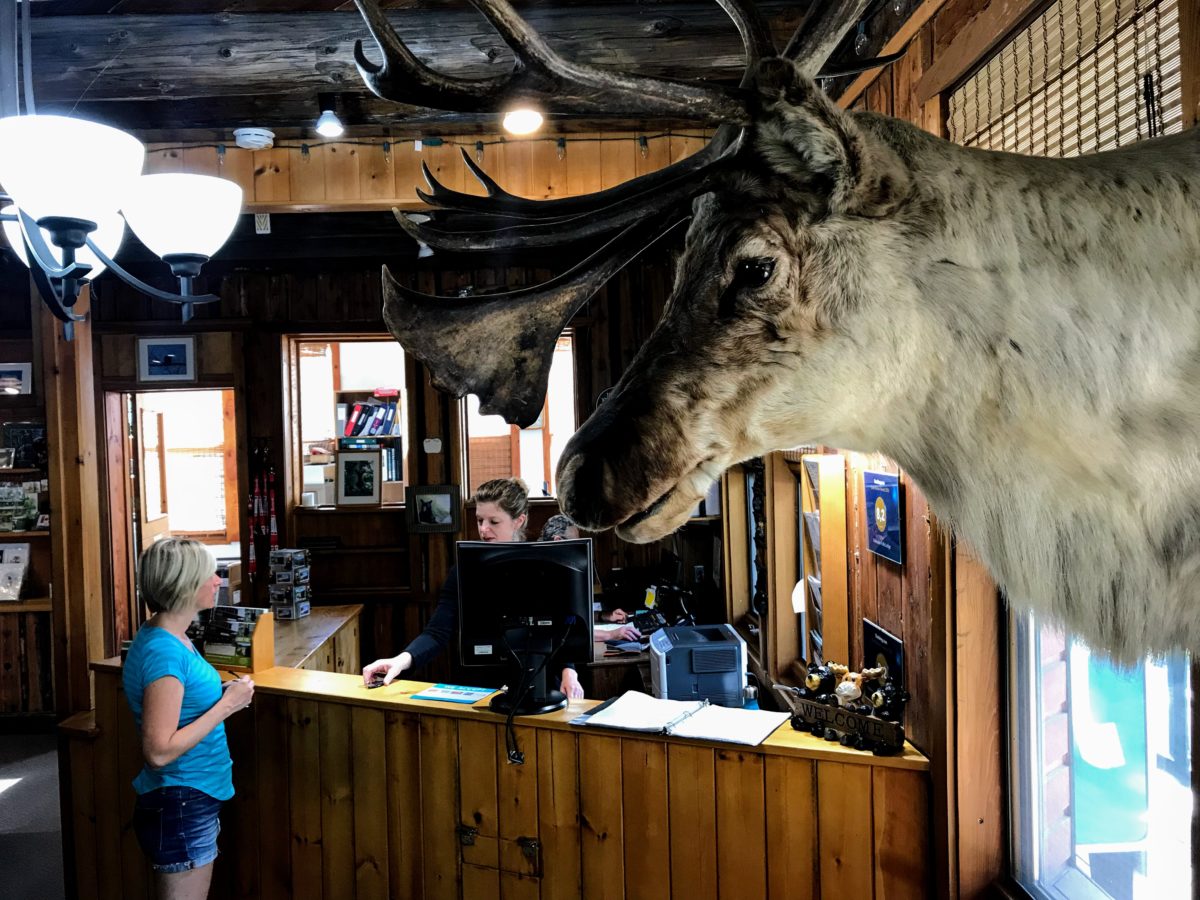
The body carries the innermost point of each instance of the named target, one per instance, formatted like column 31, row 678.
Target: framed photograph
column 358, row 478
column 432, row 507
column 15, row 378
column 167, row 358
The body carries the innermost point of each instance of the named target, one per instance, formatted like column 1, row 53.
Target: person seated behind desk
column 501, row 510
column 560, row 528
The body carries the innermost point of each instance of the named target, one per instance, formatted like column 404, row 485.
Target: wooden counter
column 346, row 792
column 325, row 640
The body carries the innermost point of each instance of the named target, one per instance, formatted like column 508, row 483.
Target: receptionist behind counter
column 501, row 511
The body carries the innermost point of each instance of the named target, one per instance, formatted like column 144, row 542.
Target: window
column 496, row 449
column 349, row 394
column 1100, row 771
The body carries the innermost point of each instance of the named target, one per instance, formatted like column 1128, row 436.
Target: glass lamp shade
column 178, row 213
column 107, row 236
column 59, row 166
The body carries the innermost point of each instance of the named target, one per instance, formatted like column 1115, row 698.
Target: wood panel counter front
column 345, row 792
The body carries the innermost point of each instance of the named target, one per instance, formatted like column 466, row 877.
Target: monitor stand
column 529, row 693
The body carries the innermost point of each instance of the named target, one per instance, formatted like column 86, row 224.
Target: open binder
column 635, row 711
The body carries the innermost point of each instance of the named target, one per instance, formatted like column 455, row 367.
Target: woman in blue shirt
column 180, row 707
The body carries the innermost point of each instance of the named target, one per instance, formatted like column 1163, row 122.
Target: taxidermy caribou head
column 1021, row 335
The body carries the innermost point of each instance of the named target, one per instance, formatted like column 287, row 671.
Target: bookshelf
column 375, row 420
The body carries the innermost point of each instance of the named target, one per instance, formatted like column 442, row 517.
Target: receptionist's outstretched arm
column 429, row 643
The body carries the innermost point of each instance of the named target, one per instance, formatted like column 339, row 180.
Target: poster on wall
column 881, row 493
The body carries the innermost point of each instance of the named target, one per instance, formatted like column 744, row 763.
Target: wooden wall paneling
column 202, row 161
column 342, row 172
column 82, row 627
column 239, row 866
column 237, row 165
column 835, row 597
column 337, row 801
column 691, row 786
column 736, row 559
column 480, row 881
column 83, row 821
column 861, row 592
column 907, row 71
column 163, row 158
column 274, row 799
column 916, row 614
column 136, row 878
column 10, row 664
column 39, row 670
column 889, row 584
column 406, row 169
column 980, row 771
column 879, row 94
column 645, row 819
column 582, row 159
column 741, row 825
column 844, row 810
column 516, row 887
column 917, row 20
column 656, row 154
column 901, row 834
column 272, row 176
column 600, row 797
column 683, row 145
column 548, row 173
column 793, row 871
column 1189, row 61
column 518, row 166
column 782, row 512
column 404, row 796
column 617, row 156
column 370, row 804
column 942, row 704
column 558, row 815
column 106, row 786
column 304, row 771
column 376, row 172
column 446, row 165
column 477, row 794
column 517, row 810
column 439, row 807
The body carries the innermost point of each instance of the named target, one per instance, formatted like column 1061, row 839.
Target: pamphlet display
column 235, row 637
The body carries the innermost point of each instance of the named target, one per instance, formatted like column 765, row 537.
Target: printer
column 698, row 662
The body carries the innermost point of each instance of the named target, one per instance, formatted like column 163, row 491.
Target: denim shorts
column 177, row 828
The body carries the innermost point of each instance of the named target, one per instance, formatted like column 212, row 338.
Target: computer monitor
column 528, row 605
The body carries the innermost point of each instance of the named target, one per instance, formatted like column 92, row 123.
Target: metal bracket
column 530, row 847
column 466, row 835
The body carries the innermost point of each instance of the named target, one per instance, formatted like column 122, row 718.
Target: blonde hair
column 171, row 571
column 510, row 494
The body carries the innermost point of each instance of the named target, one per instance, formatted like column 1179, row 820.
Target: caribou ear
column 808, row 141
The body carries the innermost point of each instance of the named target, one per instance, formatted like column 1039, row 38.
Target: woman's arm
column 163, row 741
column 429, row 643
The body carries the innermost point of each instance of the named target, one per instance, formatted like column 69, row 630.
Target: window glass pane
column 351, row 389
column 496, row 449
column 1102, row 773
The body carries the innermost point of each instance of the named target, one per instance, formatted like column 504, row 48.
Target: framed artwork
column 358, row 478
column 432, row 507
column 16, row 378
column 167, row 358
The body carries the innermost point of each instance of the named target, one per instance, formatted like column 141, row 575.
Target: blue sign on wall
column 881, row 492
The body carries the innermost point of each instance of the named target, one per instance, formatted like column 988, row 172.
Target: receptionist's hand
column 617, row 615
column 570, row 685
column 624, row 633
column 388, row 668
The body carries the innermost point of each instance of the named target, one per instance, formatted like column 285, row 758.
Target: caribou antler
column 500, row 347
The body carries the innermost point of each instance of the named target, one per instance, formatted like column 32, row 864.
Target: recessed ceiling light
column 328, row 124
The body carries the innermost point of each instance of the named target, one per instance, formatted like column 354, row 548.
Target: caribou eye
column 754, row 273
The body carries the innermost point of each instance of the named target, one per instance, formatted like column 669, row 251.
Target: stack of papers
column 635, row 711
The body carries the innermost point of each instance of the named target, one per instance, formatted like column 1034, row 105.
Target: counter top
column 397, row 697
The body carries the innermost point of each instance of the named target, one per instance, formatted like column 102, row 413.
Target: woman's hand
column 388, row 669
column 624, row 633
column 238, row 693
column 617, row 615
column 570, row 685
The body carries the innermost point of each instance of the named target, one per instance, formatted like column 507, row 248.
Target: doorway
column 173, row 470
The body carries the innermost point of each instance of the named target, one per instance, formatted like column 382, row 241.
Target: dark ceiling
column 175, row 71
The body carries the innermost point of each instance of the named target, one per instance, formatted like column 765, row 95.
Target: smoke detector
column 254, row 138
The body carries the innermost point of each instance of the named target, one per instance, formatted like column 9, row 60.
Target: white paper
column 736, row 726
column 641, row 712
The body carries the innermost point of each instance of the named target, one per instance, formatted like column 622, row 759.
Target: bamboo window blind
column 1083, row 76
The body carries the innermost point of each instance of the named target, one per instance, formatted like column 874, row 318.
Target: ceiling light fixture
column 328, row 124
column 522, row 121
column 64, row 181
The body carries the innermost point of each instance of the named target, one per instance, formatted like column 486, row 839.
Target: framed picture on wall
column 432, row 507
column 15, row 378
column 358, row 478
column 167, row 358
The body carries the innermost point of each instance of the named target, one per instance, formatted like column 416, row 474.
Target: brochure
column 454, row 693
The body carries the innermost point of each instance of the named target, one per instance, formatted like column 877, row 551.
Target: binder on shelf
column 375, row 425
column 353, row 421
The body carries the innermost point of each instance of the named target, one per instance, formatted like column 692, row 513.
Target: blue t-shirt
column 154, row 654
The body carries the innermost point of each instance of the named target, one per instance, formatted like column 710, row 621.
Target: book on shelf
column 635, row 711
